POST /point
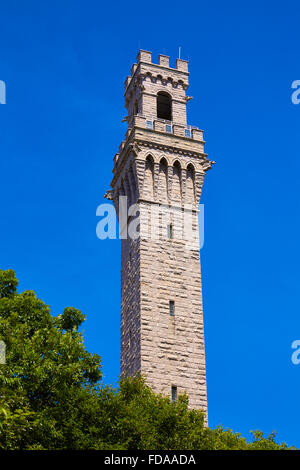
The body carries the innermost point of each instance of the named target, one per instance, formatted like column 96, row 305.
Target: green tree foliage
column 52, row 397
column 8, row 283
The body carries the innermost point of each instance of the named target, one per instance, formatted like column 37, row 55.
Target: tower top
column 163, row 60
column 156, row 102
column 157, row 90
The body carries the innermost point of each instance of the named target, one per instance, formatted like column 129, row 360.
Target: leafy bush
column 52, row 397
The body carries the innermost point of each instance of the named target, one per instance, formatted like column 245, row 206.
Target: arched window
column 190, row 184
column 176, row 183
column 148, row 187
column 164, row 106
column 163, row 181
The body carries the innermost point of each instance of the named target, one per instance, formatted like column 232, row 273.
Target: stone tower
column 160, row 168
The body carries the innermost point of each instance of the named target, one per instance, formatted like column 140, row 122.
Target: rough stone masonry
column 160, row 166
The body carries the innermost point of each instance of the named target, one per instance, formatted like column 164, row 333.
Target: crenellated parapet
column 148, row 79
column 177, row 77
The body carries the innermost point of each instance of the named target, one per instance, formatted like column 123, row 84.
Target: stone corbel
column 207, row 165
column 134, row 146
column 109, row 194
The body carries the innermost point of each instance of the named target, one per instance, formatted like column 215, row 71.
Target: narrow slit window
column 170, row 231
column 172, row 308
column 173, row 393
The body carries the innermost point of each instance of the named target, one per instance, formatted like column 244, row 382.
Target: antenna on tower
column 179, row 53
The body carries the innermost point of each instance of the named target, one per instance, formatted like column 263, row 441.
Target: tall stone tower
column 160, row 168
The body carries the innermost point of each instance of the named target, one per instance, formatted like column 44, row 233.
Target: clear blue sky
column 64, row 64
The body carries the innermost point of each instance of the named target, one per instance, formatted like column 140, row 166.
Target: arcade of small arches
column 164, row 182
column 167, row 80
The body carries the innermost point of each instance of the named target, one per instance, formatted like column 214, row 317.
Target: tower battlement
column 145, row 58
column 147, row 79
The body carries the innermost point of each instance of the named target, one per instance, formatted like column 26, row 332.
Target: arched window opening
column 163, row 166
column 190, row 171
column 190, row 184
column 177, row 168
column 176, row 183
column 164, row 106
column 148, row 189
column 163, row 181
column 149, row 162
